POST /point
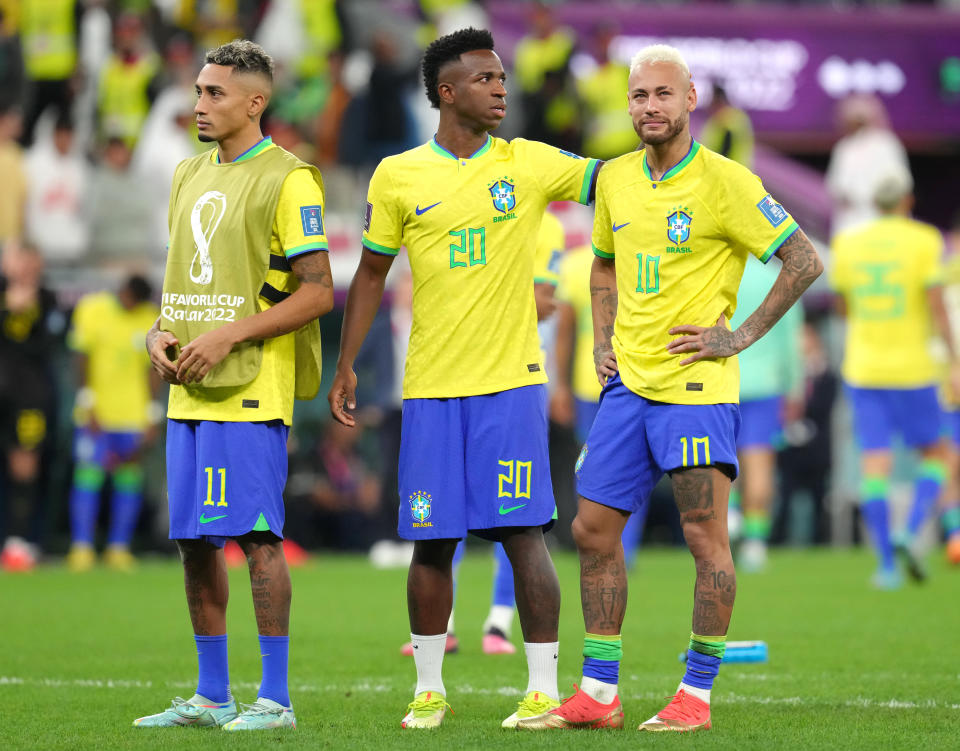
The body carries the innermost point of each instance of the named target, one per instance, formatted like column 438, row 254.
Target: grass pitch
column 82, row 655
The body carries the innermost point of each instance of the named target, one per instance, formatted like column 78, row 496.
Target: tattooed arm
column 312, row 299
column 801, row 266
column 603, row 301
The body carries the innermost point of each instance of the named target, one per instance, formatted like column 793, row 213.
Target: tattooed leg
column 430, row 586
column 269, row 581
column 701, row 494
column 603, row 576
column 536, row 583
column 206, row 586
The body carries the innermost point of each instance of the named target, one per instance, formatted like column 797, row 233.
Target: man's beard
column 204, row 138
column 674, row 128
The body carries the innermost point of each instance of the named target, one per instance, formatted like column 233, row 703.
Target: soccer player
column 115, row 418
column 889, row 276
column 473, row 454
column 672, row 229
column 771, row 384
column 238, row 339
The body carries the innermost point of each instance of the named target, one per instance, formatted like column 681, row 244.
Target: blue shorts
column 474, row 463
column 225, row 479
column 761, row 422
column 586, row 414
column 880, row 414
column 104, row 448
column 635, row 440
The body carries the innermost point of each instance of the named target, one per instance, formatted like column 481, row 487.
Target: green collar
column 257, row 148
column 450, row 155
column 675, row 169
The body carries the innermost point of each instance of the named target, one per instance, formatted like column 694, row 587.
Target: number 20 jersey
column 470, row 228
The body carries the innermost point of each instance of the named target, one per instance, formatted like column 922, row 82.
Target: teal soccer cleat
column 197, row 711
column 263, row 714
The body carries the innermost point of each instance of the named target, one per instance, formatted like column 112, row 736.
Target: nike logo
column 425, row 209
column 512, row 508
column 618, row 227
column 204, row 519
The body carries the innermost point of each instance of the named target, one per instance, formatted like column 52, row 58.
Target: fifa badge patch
column 579, row 464
column 772, row 211
column 678, row 225
column 504, row 195
column 312, row 219
column 420, row 508
column 367, row 215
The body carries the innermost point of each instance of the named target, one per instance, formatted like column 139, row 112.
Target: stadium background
column 348, row 94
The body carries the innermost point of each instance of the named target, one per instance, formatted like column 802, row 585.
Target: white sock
column 703, row 694
column 500, row 618
column 602, row 692
column 542, row 667
column 450, row 622
column 428, row 656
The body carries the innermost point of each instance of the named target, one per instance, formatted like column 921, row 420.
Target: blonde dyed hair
column 660, row 53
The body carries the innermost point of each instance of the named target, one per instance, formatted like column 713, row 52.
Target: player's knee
column 589, row 534
column 705, row 541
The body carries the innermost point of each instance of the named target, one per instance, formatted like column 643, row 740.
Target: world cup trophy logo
column 207, row 213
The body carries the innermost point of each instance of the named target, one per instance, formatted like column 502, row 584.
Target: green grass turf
column 82, row 655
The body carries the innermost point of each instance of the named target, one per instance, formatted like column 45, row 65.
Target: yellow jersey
column 298, row 228
column 883, row 270
column 117, row 362
column 680, row 245
column 551, row 241
column 470, row 228
column 574, row 289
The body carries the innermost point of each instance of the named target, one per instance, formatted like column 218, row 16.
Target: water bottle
column 741, row 651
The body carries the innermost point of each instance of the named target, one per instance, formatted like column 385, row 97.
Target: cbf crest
column 504, row 195
column 678, row 225
column 420, row 508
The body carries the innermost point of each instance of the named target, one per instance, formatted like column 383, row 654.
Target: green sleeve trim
column 305, row 248
column 781, row 239
column 545, row 280
column 381, row 249
column 602, row 253
column 592, row 168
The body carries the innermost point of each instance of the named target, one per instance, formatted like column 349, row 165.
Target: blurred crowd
column 96, row 111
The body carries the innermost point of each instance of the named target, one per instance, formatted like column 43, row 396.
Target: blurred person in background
column 31, row 333
column 728, row 130
column 11, row 63
column 119, row 211
column 888, row 275
column 805, row 463
column 950, row 499
column 389, row 124
column 13, row 186
column 49, row 34
column 771, row 392
column 115, row 416
column 546, row 48
column 129, row 81
column 58, row 220
column 868, row 151
column 608, row 132
column 329, row 120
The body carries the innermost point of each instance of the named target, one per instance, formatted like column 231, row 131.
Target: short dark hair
column 139, row 288
column 243, row 56
column 446, row 49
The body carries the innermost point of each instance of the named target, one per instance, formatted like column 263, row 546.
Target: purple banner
column 787, row 66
